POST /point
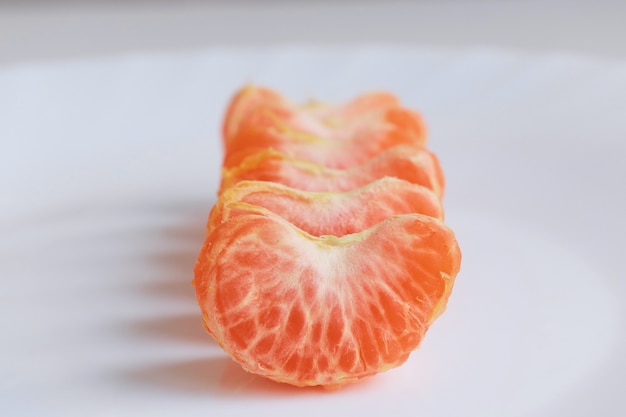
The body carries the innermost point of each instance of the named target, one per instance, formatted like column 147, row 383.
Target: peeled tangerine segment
column 328, row 213
column 250, row 98
column 326, row 310
column 413, row 164
column 334, row 136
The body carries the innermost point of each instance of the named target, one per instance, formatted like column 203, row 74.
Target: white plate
column 109, row 167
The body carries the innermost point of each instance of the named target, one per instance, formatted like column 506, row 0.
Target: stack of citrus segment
column 326, row 257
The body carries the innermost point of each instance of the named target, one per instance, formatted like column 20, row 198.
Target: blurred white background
column 33, row 30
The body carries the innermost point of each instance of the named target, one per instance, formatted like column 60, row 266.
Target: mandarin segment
column 339, row 319
column 334, row 136
column 329, row 213
column 415, row 165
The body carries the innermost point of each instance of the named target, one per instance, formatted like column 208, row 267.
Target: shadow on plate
column 172, row 260
column 175, row 259
column 175, row 274
column 185, row 328
column 221, row 376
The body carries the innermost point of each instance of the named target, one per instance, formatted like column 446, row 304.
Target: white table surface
column 36, row 30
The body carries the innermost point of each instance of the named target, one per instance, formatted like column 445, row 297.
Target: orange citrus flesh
column 244, row 104
column 413, row 164
column 329, row 213
column 326, row 258
column 323, row 310
column 333, row 136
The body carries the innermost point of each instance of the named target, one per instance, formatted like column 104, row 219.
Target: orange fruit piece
column 413, row 164
column 248, row 99
column 329, row 213
column 325, row 310
column 334, row 136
